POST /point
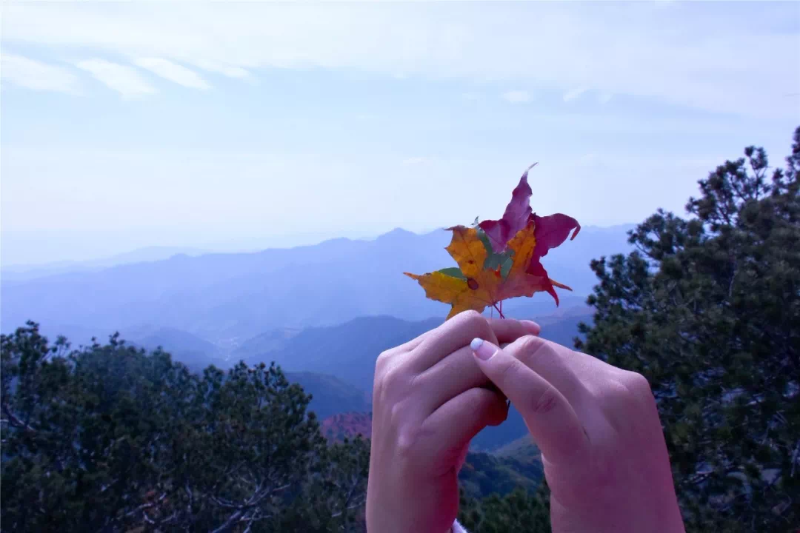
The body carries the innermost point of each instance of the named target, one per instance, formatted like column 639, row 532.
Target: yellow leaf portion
column 478, row 290
column 454, row 291
column 484, row 288
column 519, row 282
column 523, row 244
column 468, row 251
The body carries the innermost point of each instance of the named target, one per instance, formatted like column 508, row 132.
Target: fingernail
column 483, row 350
column 532, row 326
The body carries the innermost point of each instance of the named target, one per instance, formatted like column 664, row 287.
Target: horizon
column 254, row 126
column 206, row 250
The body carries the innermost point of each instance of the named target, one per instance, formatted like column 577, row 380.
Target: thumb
column 550, row 418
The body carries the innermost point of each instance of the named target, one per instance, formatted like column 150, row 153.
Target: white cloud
column 226, row 70
column 516, row 97
column 574, row 93
column 124, row 80
column 626, row 49
column 604, row 98
column 414, row 161
column 173, row 72
column 37, row 75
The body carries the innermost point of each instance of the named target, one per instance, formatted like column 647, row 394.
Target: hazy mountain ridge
column 140, row 255
column 227, row 298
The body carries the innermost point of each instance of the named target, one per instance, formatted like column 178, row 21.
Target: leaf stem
column 499, row 309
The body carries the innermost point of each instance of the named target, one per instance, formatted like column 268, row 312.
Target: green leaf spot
column 454, row 272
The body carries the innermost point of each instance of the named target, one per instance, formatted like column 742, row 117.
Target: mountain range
column 323, row 312
column 229, row 298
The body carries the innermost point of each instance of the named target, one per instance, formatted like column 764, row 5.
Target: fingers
column 449, row 337
column 448, row 378
column 459, row 419
column 458, row 371
column 547, row 413
column 510, row 330
column 551, row 361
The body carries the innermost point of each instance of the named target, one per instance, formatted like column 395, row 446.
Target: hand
column 429, row 400
column 597, row 426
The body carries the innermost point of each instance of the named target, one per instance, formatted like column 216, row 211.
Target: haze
column 240, row 126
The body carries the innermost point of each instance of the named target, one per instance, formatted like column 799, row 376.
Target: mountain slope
column 329, row 395
column 189, row 349
column 347, row 351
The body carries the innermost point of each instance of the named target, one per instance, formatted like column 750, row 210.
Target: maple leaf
column 472, row 286
column 551, row 231
column 518, row 212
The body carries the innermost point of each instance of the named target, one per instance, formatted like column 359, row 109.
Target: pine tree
column 708, row 309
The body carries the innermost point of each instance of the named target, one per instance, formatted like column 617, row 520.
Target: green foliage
column 514, row 512
column 708, row 309
column 110, row 438
column 484, row 474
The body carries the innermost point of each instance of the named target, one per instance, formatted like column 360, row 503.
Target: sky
column 229, row 126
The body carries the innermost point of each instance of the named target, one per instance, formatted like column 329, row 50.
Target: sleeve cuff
column 458, row 528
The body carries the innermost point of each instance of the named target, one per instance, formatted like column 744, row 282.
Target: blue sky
column 236, row 126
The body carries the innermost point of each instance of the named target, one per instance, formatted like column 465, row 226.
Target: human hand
column 429, row 400
column 603, row 449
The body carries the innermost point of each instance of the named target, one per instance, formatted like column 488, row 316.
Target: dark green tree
column 517, row 511
column 110, row 438
column 708, row 309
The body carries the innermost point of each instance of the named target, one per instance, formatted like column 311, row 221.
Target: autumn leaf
column 553, row 230
column 518, row 212
column 475, row 287
column 500, row 259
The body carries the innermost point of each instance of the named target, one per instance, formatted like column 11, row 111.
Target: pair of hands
column 597, row 426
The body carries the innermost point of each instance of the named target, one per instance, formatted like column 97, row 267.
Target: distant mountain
column 347, row 351
column 330, row 396
column 266, row 342
column 150, row 253
column 523, row 449
column 226, row 298
column 189, row 349
column 484, row 474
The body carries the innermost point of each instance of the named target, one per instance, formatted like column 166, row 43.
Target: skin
column 602, row 445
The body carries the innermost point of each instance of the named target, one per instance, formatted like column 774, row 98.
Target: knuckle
column 382, row 360
column 639, row 387
column 388, row 380
column 545, row 401
column 529, row 346
column 407, row 444
column 637, row 382
column 505, row 372
column 473, row 320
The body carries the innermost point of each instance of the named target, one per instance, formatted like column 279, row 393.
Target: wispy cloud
column 36, row 75
column 173, row 72
column 231, row 71
column 574, row 94
column 124, row 80
column 414, row 161
column 632, row 49
column 604, row 98
column 516, row 97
